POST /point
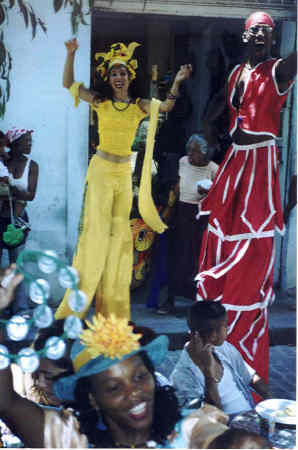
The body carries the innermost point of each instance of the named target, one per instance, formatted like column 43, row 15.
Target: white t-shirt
column 189, row 175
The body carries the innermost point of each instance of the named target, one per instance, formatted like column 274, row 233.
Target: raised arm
column 183, row 74
column 23, row 417
column 286, row 71
column 68, row 73
column 168, row 104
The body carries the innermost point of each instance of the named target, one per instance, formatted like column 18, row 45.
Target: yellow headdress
column 118, row 54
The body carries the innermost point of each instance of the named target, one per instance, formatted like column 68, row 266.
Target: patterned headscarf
column 118, row 54
column 15, row 133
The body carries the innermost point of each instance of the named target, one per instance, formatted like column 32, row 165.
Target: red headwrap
column 257, row 18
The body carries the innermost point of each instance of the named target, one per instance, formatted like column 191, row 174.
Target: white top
column 190, row 175
column 21, row 183
column 3, row 170
column 232, row 399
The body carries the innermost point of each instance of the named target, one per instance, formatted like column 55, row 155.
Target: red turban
column 257, row 18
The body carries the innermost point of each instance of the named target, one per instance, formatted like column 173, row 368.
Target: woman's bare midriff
column 240, row 137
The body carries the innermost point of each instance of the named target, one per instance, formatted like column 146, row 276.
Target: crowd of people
column 106, row 391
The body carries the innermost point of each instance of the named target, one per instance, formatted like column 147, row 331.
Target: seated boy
column 212, row 369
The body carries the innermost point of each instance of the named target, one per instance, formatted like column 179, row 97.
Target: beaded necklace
column 127, row 101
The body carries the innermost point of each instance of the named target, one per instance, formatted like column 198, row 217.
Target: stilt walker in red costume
column 244, row 204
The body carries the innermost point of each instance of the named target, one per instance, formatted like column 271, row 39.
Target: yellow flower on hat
column 118, row 54
column 110, row 337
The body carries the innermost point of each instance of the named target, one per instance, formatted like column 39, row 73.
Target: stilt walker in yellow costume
column 104, row 253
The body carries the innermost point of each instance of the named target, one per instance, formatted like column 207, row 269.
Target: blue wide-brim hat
column 65, row 387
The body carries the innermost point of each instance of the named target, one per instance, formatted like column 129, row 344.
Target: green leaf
column 2, row 109
column 33, row 24
column 9, row 62
column 74, row 22
column 75, row 16
column 2, row 15
column 83, row 21
column 2, row 53
column 24, row 11
column 57, row 5
column 42, row 24
column 7, row 89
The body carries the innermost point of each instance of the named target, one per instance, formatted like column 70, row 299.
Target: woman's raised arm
column 68, row 73
column 168, row 104
column 23, row 417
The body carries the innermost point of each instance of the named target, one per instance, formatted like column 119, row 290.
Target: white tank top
column 22, row 182
column 232, row 399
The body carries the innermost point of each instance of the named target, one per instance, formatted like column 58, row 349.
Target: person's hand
column 7, row 293
column 202, row 192
column 183, row 73
column 214, row 414
column 71, row 46
column 201, row 424
column 201, row 355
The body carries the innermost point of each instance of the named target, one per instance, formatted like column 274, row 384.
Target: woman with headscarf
column 22, row 184
column 23, row 178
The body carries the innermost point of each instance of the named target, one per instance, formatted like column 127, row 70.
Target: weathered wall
column 60, row 140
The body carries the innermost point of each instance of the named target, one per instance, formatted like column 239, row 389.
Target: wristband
column 171, row 96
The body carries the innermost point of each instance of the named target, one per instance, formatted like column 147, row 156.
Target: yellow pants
column 104, row 253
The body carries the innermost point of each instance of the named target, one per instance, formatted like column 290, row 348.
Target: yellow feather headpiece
column 118, row 54
column 109, row 337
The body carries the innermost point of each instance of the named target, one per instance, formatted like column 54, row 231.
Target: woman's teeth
column 139, row 409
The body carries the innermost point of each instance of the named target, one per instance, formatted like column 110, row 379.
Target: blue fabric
column 189, row 381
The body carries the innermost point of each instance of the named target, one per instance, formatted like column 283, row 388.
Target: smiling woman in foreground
column 115, row 398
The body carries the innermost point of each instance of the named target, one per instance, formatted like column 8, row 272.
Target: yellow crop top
column 117, row 129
